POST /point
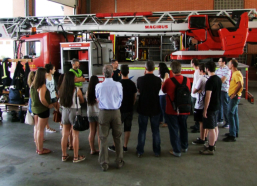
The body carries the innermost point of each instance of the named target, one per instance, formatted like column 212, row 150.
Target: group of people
column 110, row 104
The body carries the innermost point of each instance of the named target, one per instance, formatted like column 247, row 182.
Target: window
column 33, row 49
column 228, row 4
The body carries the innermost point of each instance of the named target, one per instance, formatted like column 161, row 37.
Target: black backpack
column 182, row 99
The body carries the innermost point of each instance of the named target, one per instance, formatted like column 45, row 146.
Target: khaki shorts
column 68, row 115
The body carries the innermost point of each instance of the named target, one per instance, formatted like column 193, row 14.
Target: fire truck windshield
column 33, row 49
column 217, row 23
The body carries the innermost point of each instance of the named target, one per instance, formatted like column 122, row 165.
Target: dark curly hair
column 91, row 99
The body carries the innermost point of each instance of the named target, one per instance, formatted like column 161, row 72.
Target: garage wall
column 250, row 4
column 100, row 6
column 149, row 5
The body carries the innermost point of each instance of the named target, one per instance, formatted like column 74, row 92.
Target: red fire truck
column 132, row 38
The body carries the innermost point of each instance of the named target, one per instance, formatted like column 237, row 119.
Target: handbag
column 57, row 116
column 81, row 123
column 29, row 119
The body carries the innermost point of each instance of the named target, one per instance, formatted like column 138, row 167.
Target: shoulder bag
column 29, row 119
column 81, row 123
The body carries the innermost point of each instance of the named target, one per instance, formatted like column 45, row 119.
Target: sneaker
column 229, row 139
column 50, row 130
column 120, row 164
column 228, row 134
column 206, row 152
column 125, row 149
column 220, row 123
column 226, row 126
column 104, row 167
column 184, row 150
column 198, row 141
column 111, row 148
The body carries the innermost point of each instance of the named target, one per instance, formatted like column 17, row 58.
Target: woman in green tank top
column 40, row 98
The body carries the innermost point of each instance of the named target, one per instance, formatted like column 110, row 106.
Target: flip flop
column 65, row 158
column 70, row 148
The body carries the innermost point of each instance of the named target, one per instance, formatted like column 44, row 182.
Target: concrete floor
column 233, row 163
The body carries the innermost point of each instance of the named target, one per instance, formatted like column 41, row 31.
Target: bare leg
column 205, row 133
column 75, row 134
column 70, row 138
column 217, row 133
column 40, row 132
column 91, row 136
column 201, row 131
column 126, row 138
column 212, row 137
column 65, row 135
column 35, row 129
column 99, row 141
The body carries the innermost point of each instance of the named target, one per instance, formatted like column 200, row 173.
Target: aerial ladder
column 194, row 34
column 215, row 32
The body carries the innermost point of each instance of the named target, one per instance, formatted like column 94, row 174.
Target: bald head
column 107, row 71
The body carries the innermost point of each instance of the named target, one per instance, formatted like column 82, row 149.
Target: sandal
column 44, row 151
column 50, row 130
column 70, row 148
column 94, row 153
column 65, row 158
column 79, row 159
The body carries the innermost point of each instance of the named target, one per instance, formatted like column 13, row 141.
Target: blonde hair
column 31, row 77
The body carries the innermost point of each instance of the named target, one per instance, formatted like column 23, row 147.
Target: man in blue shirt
column 109, row 95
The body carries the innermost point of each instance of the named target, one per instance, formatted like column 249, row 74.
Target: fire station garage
column 57, row 34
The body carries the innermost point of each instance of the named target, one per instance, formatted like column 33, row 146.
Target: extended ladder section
column 169, row 21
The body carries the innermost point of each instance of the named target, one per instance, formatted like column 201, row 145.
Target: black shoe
column 228, row 134
column 193, row 127
column 125, row 149
column 112, row 148
column 195, row 131
column 157, row 155
column 139, row 155
column 198, row 141
column 229, row 139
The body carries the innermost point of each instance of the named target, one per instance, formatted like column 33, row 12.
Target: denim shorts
column 68, row 115
column 92, row 119
column 54, row 100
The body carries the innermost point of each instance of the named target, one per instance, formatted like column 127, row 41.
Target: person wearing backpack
column 178, row 106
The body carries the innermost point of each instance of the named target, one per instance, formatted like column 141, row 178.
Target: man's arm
column 239, row 86
column 206, row 102
column 223, row 79
column 135, row 98
column 79, row 79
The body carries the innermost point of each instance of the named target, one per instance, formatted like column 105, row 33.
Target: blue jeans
column 233, row 116
column 142, row 121
column 163, row 108
column 224, row 99
column 178, row 132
